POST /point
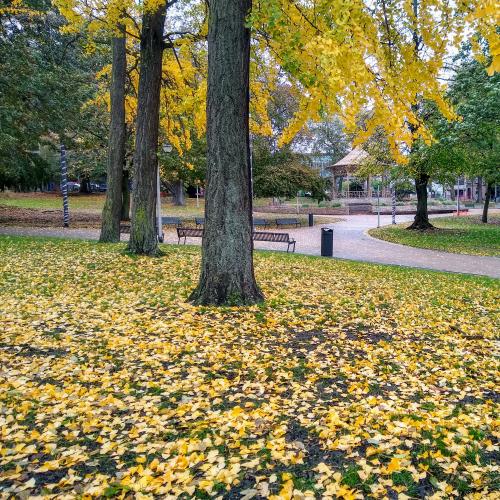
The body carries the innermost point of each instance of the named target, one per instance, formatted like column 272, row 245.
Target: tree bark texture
column 227, row 273
column 143, row 238
column 421, row 221
column 178, row 192
column 111, row 213
column 487, row 198
column 125, row 212
column 479, row 194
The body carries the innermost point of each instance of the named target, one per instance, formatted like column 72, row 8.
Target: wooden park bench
column 275, row 238
column 171, row 221
column 190, row 232
column 288, row 222
column 261, row 222
column 199, row 221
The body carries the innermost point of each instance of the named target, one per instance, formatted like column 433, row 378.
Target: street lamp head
column 167, row 147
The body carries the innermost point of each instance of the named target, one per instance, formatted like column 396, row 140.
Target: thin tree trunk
column 479, row 197
column 421, row 221
column 125, row 213
column 227, row 273
column 143, row 238
column 111, row 213
column 178, row 193
column 487, row 198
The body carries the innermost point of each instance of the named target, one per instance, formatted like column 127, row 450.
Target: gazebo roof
column 350, row 162
column 354, row 158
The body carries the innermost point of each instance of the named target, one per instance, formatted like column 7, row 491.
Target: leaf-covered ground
column 452, row 234
column 351, row 381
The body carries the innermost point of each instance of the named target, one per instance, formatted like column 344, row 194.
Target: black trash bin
column 326, row 242
column 311, row 220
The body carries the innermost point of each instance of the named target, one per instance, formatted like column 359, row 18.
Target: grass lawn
column 95, row 202
column 351, row 380
column 86, row 209
column 49, row 201
column 453, row 234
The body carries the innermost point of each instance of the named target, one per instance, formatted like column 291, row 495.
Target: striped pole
column 394, row 203
column 64, row 186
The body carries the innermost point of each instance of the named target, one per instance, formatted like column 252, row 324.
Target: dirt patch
column 31, row 217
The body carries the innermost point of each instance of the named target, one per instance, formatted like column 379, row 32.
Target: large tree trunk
column 125, row 214
column 111, row 213
column 487, row 198
column 421, row 221
column 143, row 237
column 178, row 193
column 227, row 273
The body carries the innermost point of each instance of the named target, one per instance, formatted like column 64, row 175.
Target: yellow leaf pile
column 352, row 380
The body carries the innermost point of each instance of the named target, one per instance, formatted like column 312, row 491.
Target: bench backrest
column 284, row 222
column 267, row 236
column 171, row 220
column 189, row 231
column 183, row 232
column 260, row 222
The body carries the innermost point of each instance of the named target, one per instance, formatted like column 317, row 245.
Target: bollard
column 311, row 220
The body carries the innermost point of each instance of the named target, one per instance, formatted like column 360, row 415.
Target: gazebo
column 346, row 169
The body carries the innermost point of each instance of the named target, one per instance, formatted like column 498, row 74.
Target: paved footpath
column 350, row 241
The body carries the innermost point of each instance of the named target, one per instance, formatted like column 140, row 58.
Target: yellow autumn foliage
column 352, row 380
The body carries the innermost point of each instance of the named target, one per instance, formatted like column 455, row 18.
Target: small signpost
column 393, row 203
column 378, row 206
column 64, row 186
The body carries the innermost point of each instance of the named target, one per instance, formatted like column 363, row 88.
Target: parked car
column 73, row 187
column 103, row 187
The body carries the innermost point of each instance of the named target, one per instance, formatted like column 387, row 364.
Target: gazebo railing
column 352, row 194
column 360, row 194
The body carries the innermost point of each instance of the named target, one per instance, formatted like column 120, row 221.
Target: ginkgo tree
column 348, row 56
column 384, row 56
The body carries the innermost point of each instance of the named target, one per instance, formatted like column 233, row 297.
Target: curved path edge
column 351, row 242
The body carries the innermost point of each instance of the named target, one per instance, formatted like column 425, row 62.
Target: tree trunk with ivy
column 421, row 221
column 111, row 213
column 143, row 237
column 487, row 198
column 227, row 272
